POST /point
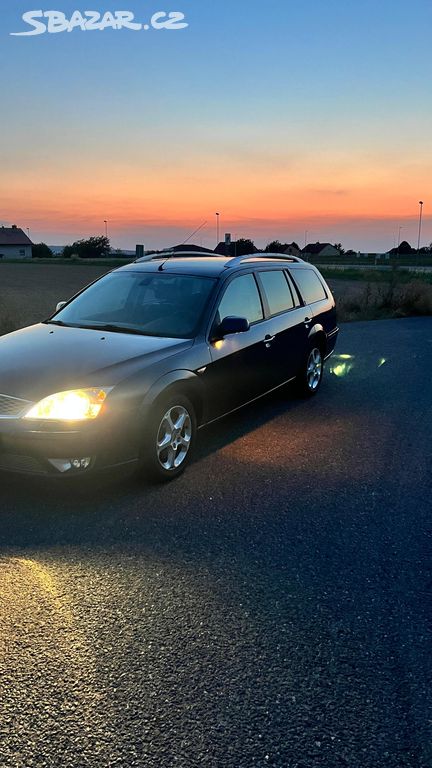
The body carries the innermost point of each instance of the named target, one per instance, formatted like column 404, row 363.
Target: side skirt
column 239, row 407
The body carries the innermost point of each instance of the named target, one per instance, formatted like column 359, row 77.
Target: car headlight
column 76, row 405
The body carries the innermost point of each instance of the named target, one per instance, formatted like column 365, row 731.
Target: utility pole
column 420, row 226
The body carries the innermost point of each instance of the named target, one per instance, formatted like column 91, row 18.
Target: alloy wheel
column 314, row 369
column 174, row 438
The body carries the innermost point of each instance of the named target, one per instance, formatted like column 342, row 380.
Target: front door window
column 241, row 299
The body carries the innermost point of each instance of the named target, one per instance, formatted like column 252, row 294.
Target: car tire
column 310, row 377
column 169, row 439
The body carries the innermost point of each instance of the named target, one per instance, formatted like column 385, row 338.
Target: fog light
column 65, row 465
column 81, row 463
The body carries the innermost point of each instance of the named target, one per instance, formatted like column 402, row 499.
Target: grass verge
column 389, row 300
column 376, row 276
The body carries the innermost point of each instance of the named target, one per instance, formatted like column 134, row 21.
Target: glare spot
column 47, row 583
column 339, row 370
column 341, row 365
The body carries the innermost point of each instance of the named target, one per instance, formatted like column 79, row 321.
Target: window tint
column 242, row 299
column 309, row 284
column 277, row 291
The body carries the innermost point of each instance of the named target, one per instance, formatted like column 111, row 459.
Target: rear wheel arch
column 318, row 338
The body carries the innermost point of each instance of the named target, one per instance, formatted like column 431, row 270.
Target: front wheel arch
column 183, row 382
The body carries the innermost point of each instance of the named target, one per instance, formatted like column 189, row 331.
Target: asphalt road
column 270, row 608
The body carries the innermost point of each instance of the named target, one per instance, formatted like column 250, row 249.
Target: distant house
column 226, row 248
column 319, row 249
column 293, row 250
column 14, row 243
column 187, row 248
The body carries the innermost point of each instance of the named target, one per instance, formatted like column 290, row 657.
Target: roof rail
column 238, row 259
column 174, row 255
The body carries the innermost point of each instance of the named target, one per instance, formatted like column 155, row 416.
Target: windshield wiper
column 56, row 322
column 114, row 329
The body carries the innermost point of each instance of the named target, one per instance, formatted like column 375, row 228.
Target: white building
column 14, row 243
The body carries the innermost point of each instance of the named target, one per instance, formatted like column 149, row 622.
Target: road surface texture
column 270, row 608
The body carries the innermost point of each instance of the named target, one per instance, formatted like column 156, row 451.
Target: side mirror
column 60, row 305
column 231, row 325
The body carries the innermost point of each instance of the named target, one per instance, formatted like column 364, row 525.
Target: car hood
column 43, row 359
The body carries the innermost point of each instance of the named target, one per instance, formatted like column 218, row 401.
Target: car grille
column 12, row 407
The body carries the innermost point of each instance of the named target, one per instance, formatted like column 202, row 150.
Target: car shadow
column 248, row 419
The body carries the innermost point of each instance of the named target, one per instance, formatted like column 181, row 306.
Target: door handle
column 307, row 320
column 269, row 338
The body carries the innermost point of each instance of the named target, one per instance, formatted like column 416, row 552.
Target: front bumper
column 63, row 450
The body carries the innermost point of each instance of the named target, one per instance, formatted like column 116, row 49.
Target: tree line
column 100, row 248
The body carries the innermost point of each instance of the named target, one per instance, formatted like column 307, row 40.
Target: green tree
column 339, row 247
column 276, row 247
column 42, row 251
column 92, row 248
column 404, row 249
column 244, row 246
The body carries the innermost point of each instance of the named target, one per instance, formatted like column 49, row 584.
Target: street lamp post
column 420, row 226
column 217, row 228
column 106, row 227
column 307, row 233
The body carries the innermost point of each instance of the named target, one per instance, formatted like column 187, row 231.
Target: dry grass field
column 364, row 300
column 30, row 292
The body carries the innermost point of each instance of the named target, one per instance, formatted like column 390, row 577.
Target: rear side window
column 309, row 284
column 241, row 299
column 277, row 291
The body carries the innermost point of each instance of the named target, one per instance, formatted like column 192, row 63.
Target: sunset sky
column 285, row 117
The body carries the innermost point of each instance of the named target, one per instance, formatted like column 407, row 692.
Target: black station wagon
column 128, row 370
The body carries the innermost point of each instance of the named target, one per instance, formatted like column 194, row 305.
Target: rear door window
column 310, row 286
column 277, row 291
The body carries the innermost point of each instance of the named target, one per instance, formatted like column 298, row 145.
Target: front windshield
column 154, row 304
